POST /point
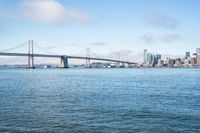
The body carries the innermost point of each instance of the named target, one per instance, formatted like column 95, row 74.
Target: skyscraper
column 198, row 56
column 198, row 50
column 198, row 59
column 145, row 56
column 150, row 59
column 187, row 54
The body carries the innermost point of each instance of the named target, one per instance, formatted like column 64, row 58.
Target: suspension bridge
column 63, row 58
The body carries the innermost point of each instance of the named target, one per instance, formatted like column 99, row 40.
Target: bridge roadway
column 61, row 56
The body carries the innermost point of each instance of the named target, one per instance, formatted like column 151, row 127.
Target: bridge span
column 64, row 58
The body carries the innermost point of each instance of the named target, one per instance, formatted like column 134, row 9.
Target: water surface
column 100, row 100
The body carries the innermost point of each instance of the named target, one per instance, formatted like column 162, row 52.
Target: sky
column 168, row 27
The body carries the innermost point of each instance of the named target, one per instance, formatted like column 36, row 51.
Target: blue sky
column 106, row 26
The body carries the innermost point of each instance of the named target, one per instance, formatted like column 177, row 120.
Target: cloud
column 98, row 44
column 159, row 19
column 88, row 44
column 165, row 38
column 148, row 38
column 51, row 47
column 47, row 11
column 170, row 38
column 126, row 51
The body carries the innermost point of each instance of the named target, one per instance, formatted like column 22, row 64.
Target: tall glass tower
column 145, row 56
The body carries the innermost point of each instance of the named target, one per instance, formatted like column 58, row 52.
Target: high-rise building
column 198, row 59
column 198, row 50
column 145, row 56
column 171, row 62
column 187, row 54
column 198, row 56
column 186, row 62
column 160, row 63
column 178, row 62
column 156, row 58
column 152, row 59
column 149, row 58
column 193, row 61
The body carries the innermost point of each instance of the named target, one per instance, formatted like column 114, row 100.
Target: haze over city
column 68, row 27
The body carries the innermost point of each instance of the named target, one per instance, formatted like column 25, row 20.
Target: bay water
column 100, row 100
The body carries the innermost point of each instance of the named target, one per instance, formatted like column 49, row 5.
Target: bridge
column 63, row 58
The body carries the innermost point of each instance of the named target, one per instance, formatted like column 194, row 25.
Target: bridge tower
column 30, row 55
column 118, row 59
column 64, row 62
column 87, row 58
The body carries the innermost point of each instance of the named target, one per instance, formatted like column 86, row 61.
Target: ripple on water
column 100, row 100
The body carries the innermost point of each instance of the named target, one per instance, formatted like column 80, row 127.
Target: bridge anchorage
column 63, row 58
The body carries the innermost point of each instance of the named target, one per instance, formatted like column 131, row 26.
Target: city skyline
column 67, row 27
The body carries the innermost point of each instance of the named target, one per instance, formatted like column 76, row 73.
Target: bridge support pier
column 30, row 56
column 118, row 65
column 123, row 65
column 64, row 62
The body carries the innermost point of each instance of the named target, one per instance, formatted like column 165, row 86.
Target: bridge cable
column 42, row 49
column 13, row 48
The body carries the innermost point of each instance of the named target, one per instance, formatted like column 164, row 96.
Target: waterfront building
column 172, row 62
column 197, row 50
column 149, row 58
column 187, row 55
column 186, row 62
column 157, row 58
column 198, row 59
column 145, row 56
column 98, row 65
column 160, row 63
column 178, row 62
column 166, row 62
column 169, row 62
column 194, row 55
column 152, row 59
column 193, row 61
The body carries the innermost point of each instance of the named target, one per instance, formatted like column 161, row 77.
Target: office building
column 192, row 61
column 150, row 59
column 169, row 62
column 145, row 56
column 187, row 55
column 197, row 50
column 198, row 59
column 160, row 63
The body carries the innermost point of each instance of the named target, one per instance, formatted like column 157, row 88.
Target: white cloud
column 170, row 38
column 48, row 11
column 148, row 38
column 98, row 43
column 160, row 20
column 163, row 38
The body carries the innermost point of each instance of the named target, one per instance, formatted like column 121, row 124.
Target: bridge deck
column 59, row 56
